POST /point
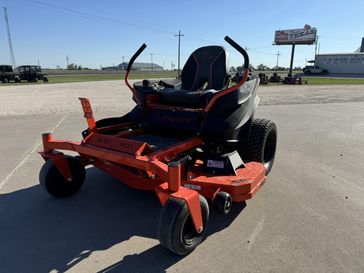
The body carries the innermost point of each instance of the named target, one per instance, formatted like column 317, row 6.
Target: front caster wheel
column 176, row 230
column 223, row 202
column 55, row 184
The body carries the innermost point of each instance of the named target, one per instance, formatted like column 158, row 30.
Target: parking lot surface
column 308, row 217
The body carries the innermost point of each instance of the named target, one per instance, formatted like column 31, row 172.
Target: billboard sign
column 302, row 36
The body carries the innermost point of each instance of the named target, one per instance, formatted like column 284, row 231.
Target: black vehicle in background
column 32, row 73
column 7, row 74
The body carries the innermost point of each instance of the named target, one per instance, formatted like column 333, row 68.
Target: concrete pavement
column 308, row 217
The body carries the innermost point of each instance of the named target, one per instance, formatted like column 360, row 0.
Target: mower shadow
column 39, row 233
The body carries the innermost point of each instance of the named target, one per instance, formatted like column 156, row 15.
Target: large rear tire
column 55, row 184
column 261, row 146
column 176, row 230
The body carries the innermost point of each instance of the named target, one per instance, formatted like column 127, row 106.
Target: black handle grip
column 240, row 49
column 132, row 60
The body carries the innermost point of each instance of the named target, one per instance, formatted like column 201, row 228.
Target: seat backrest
column 206, row 65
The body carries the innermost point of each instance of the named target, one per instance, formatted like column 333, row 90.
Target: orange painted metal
column 119, row 144
column 59, row 161
column 241, row 187
column 174, row 176
column 191, row 198
column 87, row 110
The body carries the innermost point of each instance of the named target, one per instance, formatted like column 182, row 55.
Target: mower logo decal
column 102, row 141
column 175, row 119
column 192, row 187
column 215, row 164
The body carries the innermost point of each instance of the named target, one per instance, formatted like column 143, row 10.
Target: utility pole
column 278, row 54
column 151, row 61
column 68, row 63
column 38, row 62
column 123, row 57
column 12, row 58
column 179, row 51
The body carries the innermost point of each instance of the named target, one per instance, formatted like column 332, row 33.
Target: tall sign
column 300, row 36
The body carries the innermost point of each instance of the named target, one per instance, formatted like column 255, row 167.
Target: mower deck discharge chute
column 188, row 141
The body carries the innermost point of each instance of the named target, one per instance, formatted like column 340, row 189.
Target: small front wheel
column 176, row 230
column 223, row 202
column 52, row 181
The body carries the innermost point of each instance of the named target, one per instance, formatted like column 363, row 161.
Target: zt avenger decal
column 160, row 116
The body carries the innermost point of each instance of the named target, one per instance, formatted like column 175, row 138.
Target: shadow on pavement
column 39, row 233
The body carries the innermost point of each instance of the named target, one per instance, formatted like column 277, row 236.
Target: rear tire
column 176, row 230
column 55, row 184
column 45, row 79
column 261, row 146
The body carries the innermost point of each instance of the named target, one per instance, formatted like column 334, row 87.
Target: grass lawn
column 330, row 81
column 100, row 77
column 170, row 74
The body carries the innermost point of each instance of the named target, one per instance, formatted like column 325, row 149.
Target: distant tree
column 262, row 67
column 72, row 66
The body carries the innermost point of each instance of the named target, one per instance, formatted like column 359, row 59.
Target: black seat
column 205, row 72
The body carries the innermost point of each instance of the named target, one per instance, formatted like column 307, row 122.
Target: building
column 350, row 63
column 136, row 66
column 142, row 66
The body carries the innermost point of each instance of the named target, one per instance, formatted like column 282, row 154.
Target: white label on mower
column 215, row 164
column 193, row 187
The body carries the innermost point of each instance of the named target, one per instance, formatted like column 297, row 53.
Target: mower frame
column 135, row 164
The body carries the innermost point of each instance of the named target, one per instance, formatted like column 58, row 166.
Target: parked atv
column 32, row 73
column 7, row 74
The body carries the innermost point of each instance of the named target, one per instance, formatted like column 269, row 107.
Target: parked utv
column 7, row 74
column 32, row 73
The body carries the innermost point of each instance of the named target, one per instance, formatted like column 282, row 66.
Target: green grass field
column 169, row 74
column 330, row 81
column 99, row 77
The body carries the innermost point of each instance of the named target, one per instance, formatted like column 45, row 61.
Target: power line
column 40, row 4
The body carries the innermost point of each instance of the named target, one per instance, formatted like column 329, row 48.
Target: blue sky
column 94, row 33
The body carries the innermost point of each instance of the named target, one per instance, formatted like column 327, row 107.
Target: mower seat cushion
column 182, row 97
column 207, row 66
